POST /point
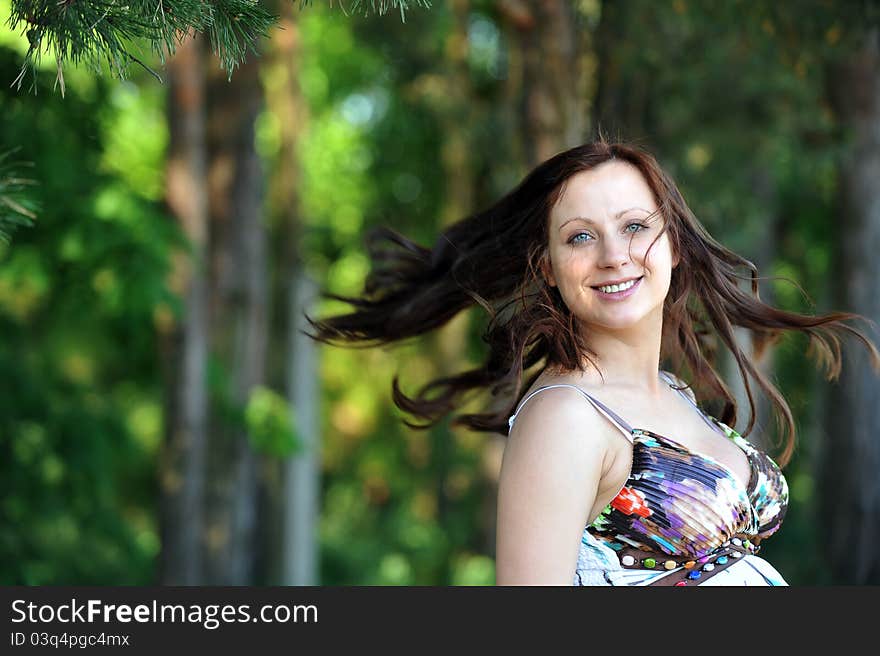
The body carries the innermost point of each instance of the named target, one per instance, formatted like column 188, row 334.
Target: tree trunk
column 185, row 344
column 238, row 318
column 550, row 43
column 302, row 473
column 766, row 228
column 456, row 118
column 849, row 487
column 298, row 496
column 622, row 94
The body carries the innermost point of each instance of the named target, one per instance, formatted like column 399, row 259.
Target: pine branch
column 16, row 209
column 381, row 7
column 88, row 32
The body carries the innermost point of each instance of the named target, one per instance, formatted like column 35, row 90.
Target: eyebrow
column 616, row 216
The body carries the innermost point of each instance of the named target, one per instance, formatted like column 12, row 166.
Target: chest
column 716, row 449
column 677, row 420
column 687, row 428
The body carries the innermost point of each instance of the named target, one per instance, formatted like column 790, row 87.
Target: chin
column 618, row 323
column 621, row 321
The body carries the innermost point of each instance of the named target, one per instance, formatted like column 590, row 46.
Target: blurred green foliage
column 267, row 417
column 80, row 404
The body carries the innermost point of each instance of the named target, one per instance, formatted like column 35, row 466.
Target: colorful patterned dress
column 682, row 515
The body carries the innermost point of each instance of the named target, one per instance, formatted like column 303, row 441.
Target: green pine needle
column 90, row 32
column 16, row 209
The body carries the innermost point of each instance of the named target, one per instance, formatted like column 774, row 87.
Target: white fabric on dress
column 598, row 564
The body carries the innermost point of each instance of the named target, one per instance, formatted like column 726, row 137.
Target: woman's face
column 599, row 234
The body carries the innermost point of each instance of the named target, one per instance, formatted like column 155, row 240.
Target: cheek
column 569, row 268
column 659, row 256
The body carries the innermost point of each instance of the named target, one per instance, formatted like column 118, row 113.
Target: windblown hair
column 494, row 259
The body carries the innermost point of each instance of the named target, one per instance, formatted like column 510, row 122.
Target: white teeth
column 610, row 289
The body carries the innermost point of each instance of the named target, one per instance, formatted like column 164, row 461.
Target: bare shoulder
column 559, row 435
column 562, row 417
column 551, row 470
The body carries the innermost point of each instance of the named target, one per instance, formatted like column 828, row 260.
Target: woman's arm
column 550, row 474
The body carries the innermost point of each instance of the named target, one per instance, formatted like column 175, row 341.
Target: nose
column 614, row 252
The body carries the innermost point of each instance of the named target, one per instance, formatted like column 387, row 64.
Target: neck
column 628, row 359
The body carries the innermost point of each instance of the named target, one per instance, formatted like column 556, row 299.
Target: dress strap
column 676, row 383
column 612, row 416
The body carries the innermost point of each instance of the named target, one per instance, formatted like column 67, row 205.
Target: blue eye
column 580, row 237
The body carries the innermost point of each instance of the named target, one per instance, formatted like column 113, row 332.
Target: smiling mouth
column 633, row 280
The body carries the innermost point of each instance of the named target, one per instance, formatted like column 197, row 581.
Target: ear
column 547, row 271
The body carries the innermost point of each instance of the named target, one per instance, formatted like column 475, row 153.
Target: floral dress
column 682, row 518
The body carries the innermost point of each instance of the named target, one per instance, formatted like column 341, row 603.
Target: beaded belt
column 685, row 570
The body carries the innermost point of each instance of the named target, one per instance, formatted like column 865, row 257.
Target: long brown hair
column 494, row 259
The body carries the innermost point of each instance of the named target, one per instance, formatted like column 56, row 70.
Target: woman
column 593, row 272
